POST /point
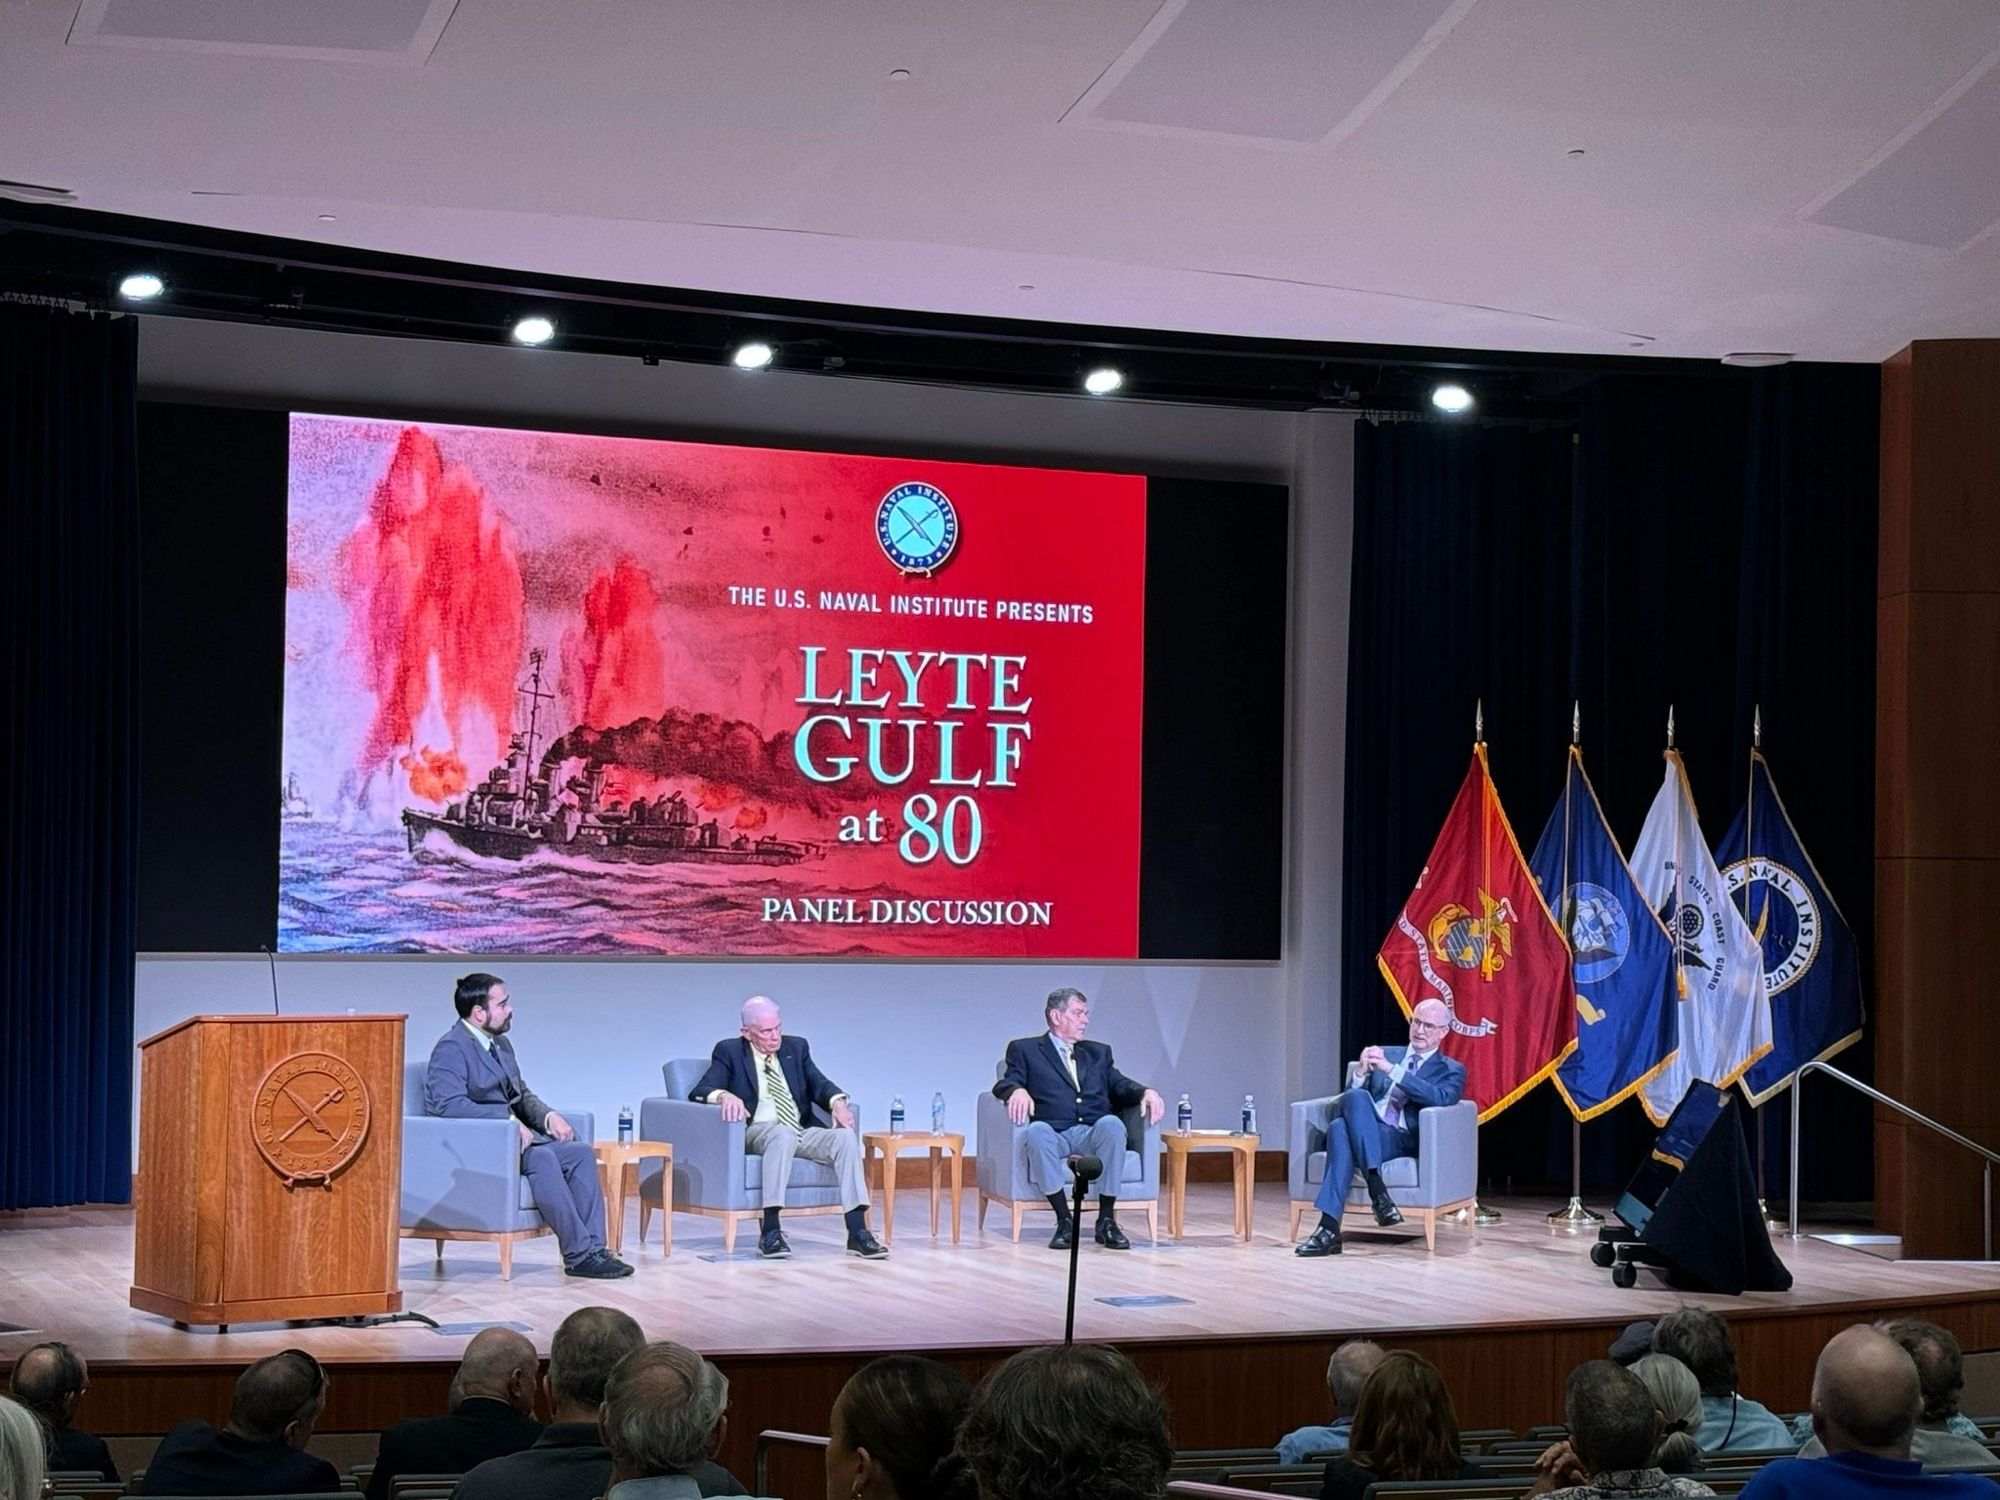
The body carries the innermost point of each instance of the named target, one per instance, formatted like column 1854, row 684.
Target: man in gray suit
column 473, row 1075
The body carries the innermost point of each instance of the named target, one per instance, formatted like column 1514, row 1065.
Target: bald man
column 51, row 1380
column 1376, row 1120
column 1865, row 1404
column 768, row 1079
column 492, row 1414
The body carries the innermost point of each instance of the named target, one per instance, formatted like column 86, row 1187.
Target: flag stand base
column 1574, row 1218
column 1477, row 1215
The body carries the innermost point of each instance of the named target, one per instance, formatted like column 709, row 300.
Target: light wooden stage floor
column 67, row 1275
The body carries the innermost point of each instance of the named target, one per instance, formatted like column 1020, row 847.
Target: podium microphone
column 1085, row 1169
column 274, row 976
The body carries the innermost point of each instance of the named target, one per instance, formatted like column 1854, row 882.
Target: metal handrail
column 1989, row 1158
column 769, row 1438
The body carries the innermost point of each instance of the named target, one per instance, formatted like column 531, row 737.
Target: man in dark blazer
column 1067, row 1092
column 492, row 1414
column 769, row 1079
column 262, row 1449
column 51, row 1380
column 1376, row 1120
column 473, row 1075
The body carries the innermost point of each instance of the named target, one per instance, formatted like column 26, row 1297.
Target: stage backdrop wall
column 595, row 1032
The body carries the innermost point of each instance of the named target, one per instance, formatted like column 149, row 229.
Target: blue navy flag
column 1812, row 966
column 1621, row 959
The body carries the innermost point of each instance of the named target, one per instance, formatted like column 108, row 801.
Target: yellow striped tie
column 781, row 1095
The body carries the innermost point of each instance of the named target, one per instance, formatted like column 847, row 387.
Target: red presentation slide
column 555, row 693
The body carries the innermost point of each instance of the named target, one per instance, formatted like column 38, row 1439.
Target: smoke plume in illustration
column 612, row 668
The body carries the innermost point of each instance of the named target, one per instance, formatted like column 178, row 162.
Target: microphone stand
column 1081, row 1169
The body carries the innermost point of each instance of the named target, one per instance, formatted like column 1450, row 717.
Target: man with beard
column 473, row 1075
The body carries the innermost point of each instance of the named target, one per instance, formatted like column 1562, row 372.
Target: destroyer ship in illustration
column 520, row 808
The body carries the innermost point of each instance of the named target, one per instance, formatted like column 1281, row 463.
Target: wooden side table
column 616, row 1159
column 889, row 1145
column 1243, row 1167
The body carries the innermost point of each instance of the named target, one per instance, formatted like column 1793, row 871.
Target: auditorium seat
column 1003, row 1166
column 713, row 1174
column 1441, row 1178
column 462, row 1178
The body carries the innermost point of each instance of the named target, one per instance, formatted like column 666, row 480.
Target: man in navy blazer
column 473, row 1075
column 1376, row 1120
column 1067, row 1092
column 769, row 1079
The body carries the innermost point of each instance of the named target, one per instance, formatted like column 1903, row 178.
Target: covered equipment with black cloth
column 1691, row 1209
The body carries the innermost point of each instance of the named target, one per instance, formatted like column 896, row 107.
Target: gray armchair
column 1441, row 1178
column 714, row 1175
column 1003, row 1166
column 462, row 1178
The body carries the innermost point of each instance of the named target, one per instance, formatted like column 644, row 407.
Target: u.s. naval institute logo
column 1783, row 917
column 917, row 527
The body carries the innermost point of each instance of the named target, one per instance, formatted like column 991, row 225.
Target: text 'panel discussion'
column 999, row 750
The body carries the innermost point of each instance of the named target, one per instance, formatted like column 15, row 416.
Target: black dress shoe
column 1322, row 1241
column 867, row 1246
column 599, row 1265
column 1386, row 1212
column 1065, row 1235
column 772, row 1245
column 1110, row 1236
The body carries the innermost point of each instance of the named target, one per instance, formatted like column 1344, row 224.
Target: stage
column 1237, row 1333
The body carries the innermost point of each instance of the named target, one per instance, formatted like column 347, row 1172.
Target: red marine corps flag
column 1476, row 935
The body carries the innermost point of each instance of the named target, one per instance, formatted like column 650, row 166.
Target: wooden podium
column 270, row 1168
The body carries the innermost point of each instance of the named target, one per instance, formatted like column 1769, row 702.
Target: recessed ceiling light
column 1756, row 359
column 140, row 286
column 899, row 75
column 326, row 218
column 534, row 330
column 752, row 356
column 1103, row 380
column 1452, row 398
column 1574, row 151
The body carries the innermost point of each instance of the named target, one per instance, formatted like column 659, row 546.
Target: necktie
column 1392, row 1102
column 780, row 1092
column 1069, row 1061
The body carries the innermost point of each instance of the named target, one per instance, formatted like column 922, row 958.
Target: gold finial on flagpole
column 1479, row 721
column 1670, row 726
column 1576, row 723
column 1757, row 727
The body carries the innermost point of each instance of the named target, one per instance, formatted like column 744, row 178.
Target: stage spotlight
column 1452, row 398
column 141, row 286
column 534, row 330
column 752, row 356
column 1103, row 380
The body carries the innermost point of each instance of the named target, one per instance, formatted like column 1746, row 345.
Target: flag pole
column 1574, row 1217
column 1749, row 848
column 1476, row 1214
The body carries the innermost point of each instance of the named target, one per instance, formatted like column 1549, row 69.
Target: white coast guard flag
column 1725, row 1017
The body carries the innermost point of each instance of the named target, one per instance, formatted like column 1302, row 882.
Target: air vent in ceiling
column 390, row 31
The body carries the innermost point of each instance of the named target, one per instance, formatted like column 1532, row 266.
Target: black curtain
column 1695, row 541
column 68, row 755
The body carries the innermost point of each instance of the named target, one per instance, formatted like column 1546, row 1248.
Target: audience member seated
column 1076, row 1423
column 662, row 1420
column 23, row 1452
column 261, row 1450
column 1614, row 1437
column 51, row 1380
column 892, row 1432
column 1940, row 1443
column 570, row 1461
column 1346, row 1372
column 492, row 1413
column 1677, row 1398
column 1865, row 1402
column 1405, row 1427
column 1731, row 1421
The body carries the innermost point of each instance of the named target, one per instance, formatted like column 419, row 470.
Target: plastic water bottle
column 625, row 1126
column 1185, row 1116
column 1249, row 1115
column 896, row 1115
column 937, row 1113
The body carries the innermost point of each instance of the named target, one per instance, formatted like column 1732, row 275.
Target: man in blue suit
column 769, row 1079
column 473, row 1075
column 1376, row 1120
column 1067, row 1092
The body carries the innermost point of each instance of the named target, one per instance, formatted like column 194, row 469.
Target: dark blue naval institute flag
column 1622, row 961
column 1812, row 966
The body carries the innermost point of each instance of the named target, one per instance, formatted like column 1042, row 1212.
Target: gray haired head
column 662, row 1406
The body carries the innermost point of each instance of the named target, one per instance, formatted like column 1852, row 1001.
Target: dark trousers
column 562, row 1176
column 1356, row 1139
